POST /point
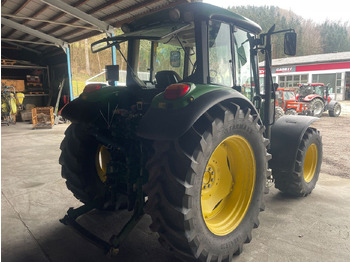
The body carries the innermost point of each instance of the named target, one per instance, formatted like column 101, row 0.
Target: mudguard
column 286, row 135
column 331, row 104
column 311, row 97
column 80, row 110
column 86, row 108
column 169, row 124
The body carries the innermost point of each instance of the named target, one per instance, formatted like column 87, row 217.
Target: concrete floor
column 34, row 197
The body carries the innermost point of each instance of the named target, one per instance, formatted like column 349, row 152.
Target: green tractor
column 192, row 141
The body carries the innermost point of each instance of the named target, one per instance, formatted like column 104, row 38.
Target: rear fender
column 87, row 107
column 286, row 135
column 311, row 97
column 80, row 110
column 169, row 124
column 331, row 104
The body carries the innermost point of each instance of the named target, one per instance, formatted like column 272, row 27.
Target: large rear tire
column 84, row 163
column 302, row 180
column 205, row 190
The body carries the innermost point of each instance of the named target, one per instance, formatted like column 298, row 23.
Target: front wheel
column 205, row 189
column 317, row 107
column 302, row 180
column 334, row 110
column 278, row 112
column 291, row 111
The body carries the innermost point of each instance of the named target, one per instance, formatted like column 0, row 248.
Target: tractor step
column 70, row 219
column 110, row 248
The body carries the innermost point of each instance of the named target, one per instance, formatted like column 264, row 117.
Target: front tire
column 302, row 180
column 205, row 190
column 291, row 112
column 278, row 112
column 317, row 107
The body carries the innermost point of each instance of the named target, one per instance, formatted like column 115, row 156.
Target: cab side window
column 242, row 62
column 220, row 55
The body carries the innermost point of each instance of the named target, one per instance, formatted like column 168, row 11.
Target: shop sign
column 284, row 69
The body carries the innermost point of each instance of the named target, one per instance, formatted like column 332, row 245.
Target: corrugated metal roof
column 52, row 21
column 311, row 59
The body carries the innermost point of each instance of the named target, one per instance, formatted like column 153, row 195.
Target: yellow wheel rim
column 228, row 185
column 101, row 161
column 310, row 163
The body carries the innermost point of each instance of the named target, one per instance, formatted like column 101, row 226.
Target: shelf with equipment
column 32, row 80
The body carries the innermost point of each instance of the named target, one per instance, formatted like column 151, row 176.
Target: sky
column 316, row 10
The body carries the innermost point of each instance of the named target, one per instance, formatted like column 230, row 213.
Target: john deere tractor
column 191, row 140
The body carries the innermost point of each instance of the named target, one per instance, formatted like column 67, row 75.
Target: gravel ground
column 335, row 132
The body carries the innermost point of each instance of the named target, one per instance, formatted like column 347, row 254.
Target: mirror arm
column 281, row 31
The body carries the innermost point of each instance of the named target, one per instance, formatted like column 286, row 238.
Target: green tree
column 335, row 37
column 328, row 37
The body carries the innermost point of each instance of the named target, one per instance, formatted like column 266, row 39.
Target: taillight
column 175, row 91
column 92, row 87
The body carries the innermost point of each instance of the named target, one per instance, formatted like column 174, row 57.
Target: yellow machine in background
column 11, row 103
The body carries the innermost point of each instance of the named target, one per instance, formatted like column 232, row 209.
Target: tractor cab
column 286, row 99
column 183, row 52
column 307, row 92
column 200, row 44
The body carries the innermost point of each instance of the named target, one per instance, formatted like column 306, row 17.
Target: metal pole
column 69, row 75
column 268, row 119
column 114, row 56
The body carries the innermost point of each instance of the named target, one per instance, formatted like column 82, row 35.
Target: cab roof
column 197, row 10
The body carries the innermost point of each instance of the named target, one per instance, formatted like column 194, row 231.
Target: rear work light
column 175, row 91
column 92, row 87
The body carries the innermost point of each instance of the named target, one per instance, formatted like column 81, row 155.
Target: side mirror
column 290, row 43
column 175, row 58
column 112, row 73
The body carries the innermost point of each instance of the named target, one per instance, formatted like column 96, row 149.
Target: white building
column 333, row 69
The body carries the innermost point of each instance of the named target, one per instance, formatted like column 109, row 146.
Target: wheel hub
column 208, row 178
column 102, row 159
column 310, row 163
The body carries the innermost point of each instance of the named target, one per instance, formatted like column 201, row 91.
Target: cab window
column 164, row 54
column 242, row 63
column 220, row 55
column 175, row 53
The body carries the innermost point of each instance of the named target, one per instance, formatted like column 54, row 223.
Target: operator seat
column 166, row 77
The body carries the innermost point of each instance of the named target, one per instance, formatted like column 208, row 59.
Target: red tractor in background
column 286, row 103
column 317, row 95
